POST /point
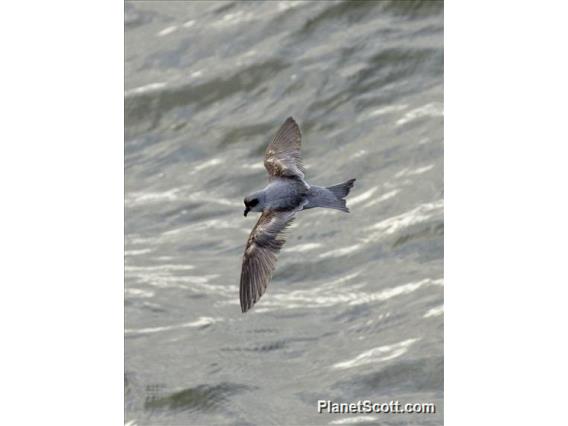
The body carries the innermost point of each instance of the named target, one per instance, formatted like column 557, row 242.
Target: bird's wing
column 259, row 259
column 283, row 157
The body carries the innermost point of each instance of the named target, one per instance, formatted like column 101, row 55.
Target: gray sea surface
column 355, row 308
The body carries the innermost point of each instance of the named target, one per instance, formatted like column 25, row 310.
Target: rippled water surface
column 355, row 308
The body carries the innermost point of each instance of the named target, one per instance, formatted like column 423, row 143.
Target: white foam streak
column 146, row 88
column 359, row 153
column 200, row 322
column 417, row 215
column 183, row 194
column 136, row 252
column 204, row 197
column 206, row 164
column 167, row 30
column 151, row 197
column 337, row 293
column 362, row 197
column 234, row 18
column 203, row 225
column 159, row 268
column 387, row 110
column 285, row 5
column 254, row 166
column 340, row 251
column 137, row 292
column 303, row 247
column 377, row 355
column 389, row 293
column 186, row 281
column 418, row 171
column 340, row 281
column 386, row 196
column 200, row 284
column 433, row 109
column 434, row 312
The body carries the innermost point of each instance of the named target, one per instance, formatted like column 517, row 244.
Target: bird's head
column 253, row 203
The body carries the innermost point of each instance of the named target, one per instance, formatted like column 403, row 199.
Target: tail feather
column 341, row 190
column 332, row 197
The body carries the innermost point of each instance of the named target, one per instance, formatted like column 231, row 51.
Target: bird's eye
column 253, row 203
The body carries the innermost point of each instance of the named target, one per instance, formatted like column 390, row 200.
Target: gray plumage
column 286, row 194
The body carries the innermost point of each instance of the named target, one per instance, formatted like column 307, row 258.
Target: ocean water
column 355, row 308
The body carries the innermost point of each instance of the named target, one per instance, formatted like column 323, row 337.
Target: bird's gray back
column 285, row 194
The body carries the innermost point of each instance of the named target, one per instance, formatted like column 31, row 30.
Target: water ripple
column 377, row 355
column 336, row 293
column 198, row 323
column 422, row 213
column 206, row 86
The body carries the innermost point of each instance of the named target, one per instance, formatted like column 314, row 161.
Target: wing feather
column 259, row 259
column 283, row 157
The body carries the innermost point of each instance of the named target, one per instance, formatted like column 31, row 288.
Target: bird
column 286, row 194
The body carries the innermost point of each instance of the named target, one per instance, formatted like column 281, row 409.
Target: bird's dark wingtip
column 245, row 306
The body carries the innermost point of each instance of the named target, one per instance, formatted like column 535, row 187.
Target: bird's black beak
column 246, row 211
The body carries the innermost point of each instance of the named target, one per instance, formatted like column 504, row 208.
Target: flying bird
column 286, row 194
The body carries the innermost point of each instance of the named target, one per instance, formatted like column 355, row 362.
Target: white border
column 62, row 213
column 61, row 177
column 505, row 212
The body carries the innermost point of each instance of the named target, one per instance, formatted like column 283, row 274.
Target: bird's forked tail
column 332, row 197
column 341, row 190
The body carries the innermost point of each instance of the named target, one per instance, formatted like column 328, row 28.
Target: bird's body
column 286, row 194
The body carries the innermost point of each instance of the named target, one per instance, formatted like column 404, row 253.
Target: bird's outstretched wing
column 283, row 157
column 259, row 259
